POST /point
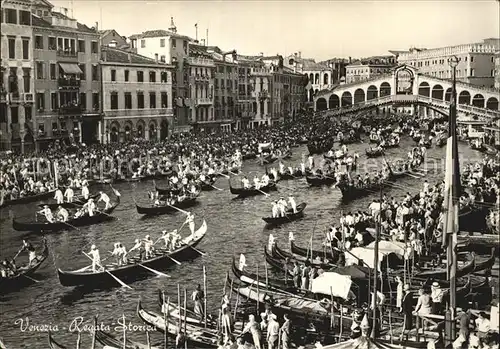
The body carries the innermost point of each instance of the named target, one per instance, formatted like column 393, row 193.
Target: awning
column 70, row 68
column 332, row 283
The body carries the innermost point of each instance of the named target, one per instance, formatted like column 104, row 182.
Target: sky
column 318, row 29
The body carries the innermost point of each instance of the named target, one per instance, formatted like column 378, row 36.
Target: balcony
column 15, row 97
column 260, row 72
column 247, row 115
column 203, row 101
column 67, row 53
column 68, row 84
column 3, row 96
column 200, row 62
column 70, row 110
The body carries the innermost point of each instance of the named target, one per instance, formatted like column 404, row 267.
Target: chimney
column 104, row 55
column 261, row 54
column 300, row 54
column 203, row 42
column 97, row 26
column 295, row 54
column 350, row 60
column 129, row 57
column 156, row 57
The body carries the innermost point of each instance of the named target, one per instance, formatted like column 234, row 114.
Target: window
column 83, row 100
column 185, row 45
column 52, row 43
column 140, row 100
column 95, row 73
column 83, row 75
column 152, row 76
column 27, row 79
column 143, row 43
column 53, row 101
column 95, row 101
column 39, row 42
column 163, row 76
column 471, row 70
column 10, row 16
column 162, row 42
column 12, row 48
column 40, row 101
column 81, row 46
column 41, row 129
column 174, row 43
column 52, row 71
column 28, row 113
column 162, row 58
column 471, row 59
column 127, row 73
column 140, row 76
column 14, row 115
column 54, row 127
column 164, row 100
column 128, row 100
column 113, row 75
column 25, row 17
column 152, row 100
column 94, row 48
column 114, row 100
column 60, row 44
column 39, row 70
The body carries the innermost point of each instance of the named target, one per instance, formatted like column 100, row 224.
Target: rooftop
column 157, row 33
column 40, row 22
column 115, row 55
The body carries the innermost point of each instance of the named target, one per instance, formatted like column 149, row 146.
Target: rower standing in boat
column 96, row 258
column 148, row 247
column 59, row 197
column 190, row 222
column 90, row 207
column 138, row 246
column 85, row 191
column 198, row 298
column 291, row 200
column 27, row 246
column 282, row 205
column 116, row 253
column 275, row 209
column 245, row 182
column 62, row 214
column 68, row 194
column 47, row 213
column 123, row 253
column 256, row 182
column 104, row 198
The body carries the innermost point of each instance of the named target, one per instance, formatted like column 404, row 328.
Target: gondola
column 98, row 217
column 27, row 199
column 250, row 278
column 243, row 193
column 23, row 274
column 111, row 342
column 167, row 191
column 190, row 201
column 287, row 175
column 135, row 269
column 208, row 184
column 329, row 253
column 373, row 153
column 486, row 264
column 319, row 180
column 77, row 202
column 197, row 336
column 289, row 216
column 439, row 273
column 335, row 156
column 53, row 344
column 191, row 317
column 392, row 143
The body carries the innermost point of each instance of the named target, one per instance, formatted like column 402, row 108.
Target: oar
column 110, row 274
column 234, row 174
column 70, row 225
column 194, row 248
column 213, row 186
column 17, row 254
column 412, row 175
column 30, row 278
column 223, row 175
column 178, row 209
column 159, row 273
column 266, row 194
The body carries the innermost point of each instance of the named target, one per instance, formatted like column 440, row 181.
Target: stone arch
column 163, row 129
column 492, row 103
column 152, row 130
column 114, row 132
column 478, row 100
column 321, row 104
column 316, row 79
column 326, row 79
column 385, row 89
column 464, row 97
column 437, row 92
column 333, row 102
column 447, row 95
column 127, row 129
column 372, row 92
column 424, row 89
column 311, row 78
column 140, row 128
column 359, row 96
column 346, row 99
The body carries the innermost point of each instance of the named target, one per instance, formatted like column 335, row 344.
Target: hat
column 147, row 236
column 92, row 247
column 406, row 287
column 45, row 206
column 435, row 284
column 164, row 232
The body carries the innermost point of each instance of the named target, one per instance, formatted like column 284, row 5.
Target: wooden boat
column 27, row 199
column 167, row 191
column 289, row 216
column 249, row 156
column 23, row 274
column 392, row 143
column 335, row 156
column 319, row 180
column 489, row 149
column 112, row 342
column 373, row 153
column 53, row 344
column 486, row 264
column 77, row 202
column 197, row 336
column 190, row 201
column 288, row 176
column 330, row 254
column 243, row 193
column 251, row 279
column 440, row 273
column 135, row 269
column 208, row 184
column 98, row 217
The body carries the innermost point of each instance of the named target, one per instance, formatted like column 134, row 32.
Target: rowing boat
column 98, row 217
column 28, row 199
column 135, row 269
column 112, row 342
column 77, row 202
column 190, row 201
column 373, row 153
column 289, row 216
column 319, row 180
column 252, row 191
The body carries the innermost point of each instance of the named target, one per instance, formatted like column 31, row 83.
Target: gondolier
column 47, row 213
column 31, row 251
column 96, row 258
column 190, row 222
column 198, row 298
column 138, row 245
column 104, row 198
column 148, row 246
column 68, row 194
column 58, row 196
column 85, row 191
column 62, row 214
column 90, row 207
column 291, row 200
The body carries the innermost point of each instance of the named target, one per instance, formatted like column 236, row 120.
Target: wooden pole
column 124, row 333
column 179, row 304
column 267, row 276
column 148, row 341
column 341, row 321
column 205, row 296
column 231, row 290
column 332, row 319
column 225, row 283
column 185, row 319
column 342, row 229
column 78, row 339
column 166, row 307
column 258, row 290
column 236, row 305
column 94, row 333
column 375, row 267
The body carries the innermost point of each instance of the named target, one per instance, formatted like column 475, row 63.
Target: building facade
column 288, row 94
column 497, row 70
column 476, row 61
column 16, row 83
column 369, row 68
column 247, row 101
column 137, row 97
column 171, row 48
column 111, row 38
column 67, row 78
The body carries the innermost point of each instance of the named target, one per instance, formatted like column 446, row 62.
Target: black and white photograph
column 249, row 174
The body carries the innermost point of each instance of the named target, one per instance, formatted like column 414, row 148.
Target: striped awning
column 70, row 68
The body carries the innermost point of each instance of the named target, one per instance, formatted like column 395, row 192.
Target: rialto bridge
column 406, row 86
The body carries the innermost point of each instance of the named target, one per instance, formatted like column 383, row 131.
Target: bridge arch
column 478, row 100
column 492, row 103
column 346, row 99
column 385, row 89
column 437, row 92
column 464, row 97
column 321, row 104
column 371, row 92
column 424, row 89
column 333, row 101
column 447, row 95
column 359, row 96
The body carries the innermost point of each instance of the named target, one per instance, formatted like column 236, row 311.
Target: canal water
column 234, row 227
